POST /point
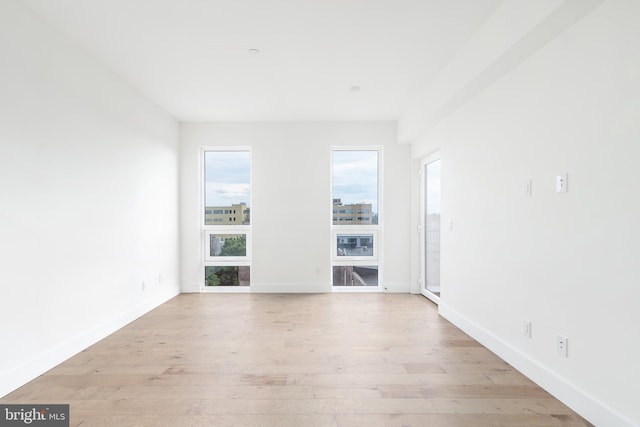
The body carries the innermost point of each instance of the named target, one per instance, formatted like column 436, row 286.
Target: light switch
column 561, row 183
column 526, row 188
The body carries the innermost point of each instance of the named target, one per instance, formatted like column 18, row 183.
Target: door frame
column 423, row 226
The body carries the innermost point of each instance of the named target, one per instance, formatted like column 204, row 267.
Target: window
column 354, row 246
column 227, row 186
column 355, row 188
column 352, row 275
column 226, row 276
column 226, row 221
column 228, row 246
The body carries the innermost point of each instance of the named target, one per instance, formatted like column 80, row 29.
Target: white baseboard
column 396, row 287
column 289, row 288
column 589, row 408
column 323, row 288
column 299, row 288
column 38, row 365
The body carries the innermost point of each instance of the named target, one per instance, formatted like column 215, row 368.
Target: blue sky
column 355, row 177
column 227, row 177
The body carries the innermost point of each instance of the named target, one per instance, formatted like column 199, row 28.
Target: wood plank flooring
column 294, row 360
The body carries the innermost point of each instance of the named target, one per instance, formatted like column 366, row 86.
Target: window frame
column 208, row 229
column 222, row 258
column 358, row 229
column 349, row 258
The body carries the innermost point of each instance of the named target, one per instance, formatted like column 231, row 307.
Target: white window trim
column 217, row 260
column 223, row 229
column 342, row 259
column 376, row 229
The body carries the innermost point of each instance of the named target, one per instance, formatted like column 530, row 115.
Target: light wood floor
column 341, row 360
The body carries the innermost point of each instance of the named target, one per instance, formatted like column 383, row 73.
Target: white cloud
column 227, row 177
column 355, row 177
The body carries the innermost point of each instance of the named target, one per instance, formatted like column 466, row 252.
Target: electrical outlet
column 526, row 328
column 144, row 285
column 562, row 346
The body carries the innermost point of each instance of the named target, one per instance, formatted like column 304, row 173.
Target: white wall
column 89, row 199
column 291, row 171
column 567, row 262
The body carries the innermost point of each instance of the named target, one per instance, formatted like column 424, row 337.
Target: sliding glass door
column 431, row 225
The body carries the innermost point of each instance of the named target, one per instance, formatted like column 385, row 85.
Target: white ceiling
column 191, row 56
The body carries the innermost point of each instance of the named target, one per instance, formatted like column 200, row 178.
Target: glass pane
column 227, row 187
column 227, row 245
column 226, row 276
column 354, row 244
column 355, row 187
column 355, row 275
column 432, row 221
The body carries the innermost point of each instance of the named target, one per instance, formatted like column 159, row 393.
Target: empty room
column 320, row 213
